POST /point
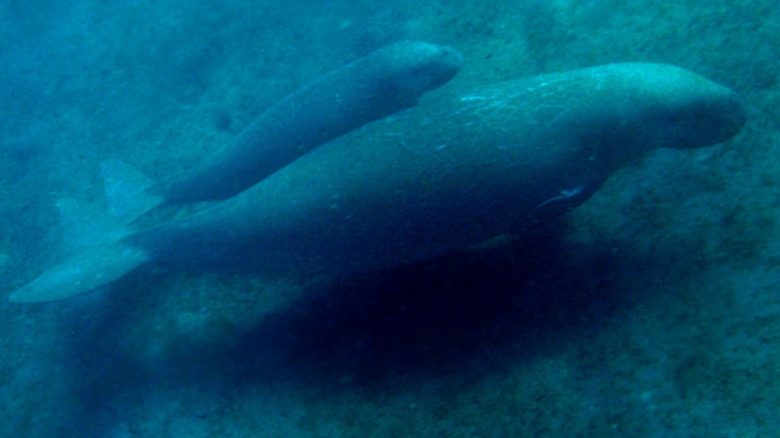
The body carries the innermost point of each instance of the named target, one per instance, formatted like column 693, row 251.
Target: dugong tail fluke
column 95, row 254
column 127, row 190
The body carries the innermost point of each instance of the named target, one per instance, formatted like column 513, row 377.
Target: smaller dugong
column 379, row 84
column 442, row 176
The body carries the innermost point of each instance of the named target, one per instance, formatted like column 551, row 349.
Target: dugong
column 379, row 84
column 439, row 177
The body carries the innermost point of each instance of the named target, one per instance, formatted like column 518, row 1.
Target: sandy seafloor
column 652, row 310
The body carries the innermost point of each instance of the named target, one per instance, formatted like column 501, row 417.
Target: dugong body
column 451, row 173
column 455, row 172
column 381, row 83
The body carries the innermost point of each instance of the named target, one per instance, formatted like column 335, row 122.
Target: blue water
column 651, row 310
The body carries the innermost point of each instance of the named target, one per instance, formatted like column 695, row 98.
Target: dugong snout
column 418, row 66
column 687, row 110
column 716, row 116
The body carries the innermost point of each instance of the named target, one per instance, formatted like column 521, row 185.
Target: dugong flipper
column 381, row 83
column 458, row 171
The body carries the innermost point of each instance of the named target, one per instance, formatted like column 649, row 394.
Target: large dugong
column 381, row 83
column 443, row 176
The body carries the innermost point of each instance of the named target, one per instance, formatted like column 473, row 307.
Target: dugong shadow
column 468, row 312
column 464, row 315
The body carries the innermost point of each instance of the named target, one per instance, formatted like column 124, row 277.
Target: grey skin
column 379, row 84
column 445, row 175
column 453, row 173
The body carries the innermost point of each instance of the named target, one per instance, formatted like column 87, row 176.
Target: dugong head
column 416, row 67
column 680, row 109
